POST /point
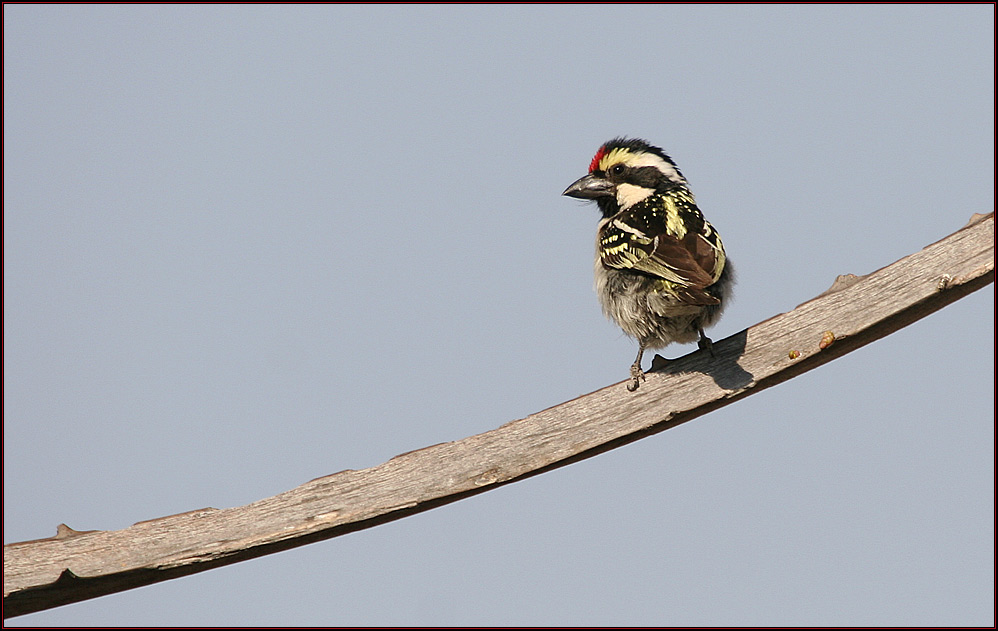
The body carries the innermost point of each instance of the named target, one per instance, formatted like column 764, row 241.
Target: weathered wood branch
column 75, row 566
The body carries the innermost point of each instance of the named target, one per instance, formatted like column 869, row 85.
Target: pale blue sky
column 248, row 246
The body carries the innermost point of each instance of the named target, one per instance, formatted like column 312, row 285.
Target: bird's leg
column 637, row 376
column 704, row 343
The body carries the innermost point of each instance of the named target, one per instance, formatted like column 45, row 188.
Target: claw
column 637, row 376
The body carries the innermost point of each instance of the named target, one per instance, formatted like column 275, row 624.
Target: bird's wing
column 668, row 240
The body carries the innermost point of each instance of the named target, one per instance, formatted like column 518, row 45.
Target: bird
column 661, row 272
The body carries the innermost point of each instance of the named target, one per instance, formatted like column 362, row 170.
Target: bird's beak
column 591, row 187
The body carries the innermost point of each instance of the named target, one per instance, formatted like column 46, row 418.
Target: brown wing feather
column 681, row 260
column 675, row 255
column 639, row 239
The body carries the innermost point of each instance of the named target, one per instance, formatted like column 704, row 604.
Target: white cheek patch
column 630, row 194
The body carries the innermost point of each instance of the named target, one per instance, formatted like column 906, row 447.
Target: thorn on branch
column 62, row 531
column 66, row 576
column 976, row 217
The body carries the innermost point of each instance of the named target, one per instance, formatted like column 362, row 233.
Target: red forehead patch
column 594, row 165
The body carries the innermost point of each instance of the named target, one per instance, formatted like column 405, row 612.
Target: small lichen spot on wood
column 488, row 477
column 330, row 516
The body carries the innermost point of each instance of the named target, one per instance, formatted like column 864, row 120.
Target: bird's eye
column 617, row 169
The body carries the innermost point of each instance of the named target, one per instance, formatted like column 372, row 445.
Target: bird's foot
column 637, row 376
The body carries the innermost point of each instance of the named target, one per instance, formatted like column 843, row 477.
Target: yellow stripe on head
column 621, row 155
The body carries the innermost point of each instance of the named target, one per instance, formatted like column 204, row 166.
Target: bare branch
column 74, row 566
